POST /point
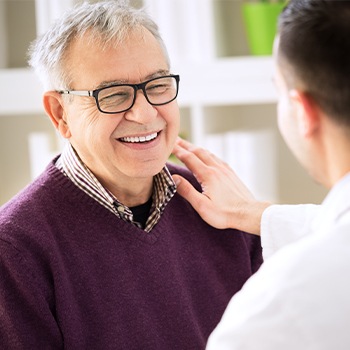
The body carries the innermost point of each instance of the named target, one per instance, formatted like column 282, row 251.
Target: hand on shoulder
column 225, row 202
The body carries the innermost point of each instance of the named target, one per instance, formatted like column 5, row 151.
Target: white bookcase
column 227, row 98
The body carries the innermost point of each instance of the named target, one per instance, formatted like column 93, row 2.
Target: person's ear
column 307, row 112
column 54, row 108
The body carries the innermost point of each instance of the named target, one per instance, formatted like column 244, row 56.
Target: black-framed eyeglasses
column 119, row 98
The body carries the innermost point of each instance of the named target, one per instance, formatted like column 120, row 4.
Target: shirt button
column 120, row 209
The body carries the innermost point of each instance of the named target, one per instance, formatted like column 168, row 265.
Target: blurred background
column 227, row 98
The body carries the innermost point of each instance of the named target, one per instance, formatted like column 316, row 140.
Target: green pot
column 260, row 20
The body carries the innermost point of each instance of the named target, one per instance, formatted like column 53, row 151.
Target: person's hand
column 225, row 201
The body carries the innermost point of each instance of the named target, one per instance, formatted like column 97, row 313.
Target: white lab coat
column 300, row 297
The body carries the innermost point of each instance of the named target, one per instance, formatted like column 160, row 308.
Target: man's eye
column 116, row 97
column 157, row 88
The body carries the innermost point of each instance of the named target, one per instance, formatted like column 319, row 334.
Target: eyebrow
column 157, row 74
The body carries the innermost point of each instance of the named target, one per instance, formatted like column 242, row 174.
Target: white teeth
column 139, row 138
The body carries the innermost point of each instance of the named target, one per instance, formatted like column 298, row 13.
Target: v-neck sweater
column 75, row 276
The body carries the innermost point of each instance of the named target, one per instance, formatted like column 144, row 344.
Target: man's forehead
column 94, row 66
column 128, row 80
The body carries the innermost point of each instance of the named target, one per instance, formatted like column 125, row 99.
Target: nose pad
column 142, row 111
column 141, row 93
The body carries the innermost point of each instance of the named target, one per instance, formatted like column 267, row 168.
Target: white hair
column 108, row 23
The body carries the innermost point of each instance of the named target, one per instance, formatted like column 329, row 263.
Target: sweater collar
column 73, row 167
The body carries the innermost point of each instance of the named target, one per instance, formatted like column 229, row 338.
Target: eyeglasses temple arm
column 75, row 92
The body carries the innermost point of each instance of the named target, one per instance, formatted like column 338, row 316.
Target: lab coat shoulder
column 296, row 295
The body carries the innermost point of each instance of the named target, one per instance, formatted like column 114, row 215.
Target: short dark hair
column 314, row 49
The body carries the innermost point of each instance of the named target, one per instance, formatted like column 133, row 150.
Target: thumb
column 187, row 191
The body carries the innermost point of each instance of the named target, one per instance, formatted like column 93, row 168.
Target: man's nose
column 142, row 111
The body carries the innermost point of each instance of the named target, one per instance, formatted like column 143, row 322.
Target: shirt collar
column 163, row 187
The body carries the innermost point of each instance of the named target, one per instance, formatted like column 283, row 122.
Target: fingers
column 192, row 162
column 183, row 143
column 202, row 204
column 204, row 165
column 203, row 155
column 187, row 191
column 224, row 201
column 195, row 158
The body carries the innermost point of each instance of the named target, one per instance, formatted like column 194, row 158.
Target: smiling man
column 100, row 252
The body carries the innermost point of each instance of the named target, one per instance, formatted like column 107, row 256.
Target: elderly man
column 100, row 252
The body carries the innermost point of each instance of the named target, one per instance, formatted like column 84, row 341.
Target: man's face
column 286, row 113
column 291, row 115
column 101, row 139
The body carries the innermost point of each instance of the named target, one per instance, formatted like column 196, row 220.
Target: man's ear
column 53, row 105
column 307, row 112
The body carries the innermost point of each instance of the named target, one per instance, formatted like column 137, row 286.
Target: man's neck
column 137, row 191
column 336, row 152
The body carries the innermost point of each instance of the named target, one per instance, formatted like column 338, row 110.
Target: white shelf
column 226, row 81
column 21, row 92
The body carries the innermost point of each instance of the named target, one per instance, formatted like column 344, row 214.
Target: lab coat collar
column 334, row 206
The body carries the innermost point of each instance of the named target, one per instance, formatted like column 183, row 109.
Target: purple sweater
column 74, row 276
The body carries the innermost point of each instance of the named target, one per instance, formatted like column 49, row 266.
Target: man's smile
column 139, row 139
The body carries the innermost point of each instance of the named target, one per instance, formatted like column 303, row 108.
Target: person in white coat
column 300, row 297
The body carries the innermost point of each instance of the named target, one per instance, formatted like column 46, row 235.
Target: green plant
column 260, row 19
column 266, row 1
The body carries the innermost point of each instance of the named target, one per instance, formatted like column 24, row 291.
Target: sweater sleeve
column 26, row 318
column 284, row 224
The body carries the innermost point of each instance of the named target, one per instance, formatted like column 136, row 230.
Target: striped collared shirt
column 163, row 188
